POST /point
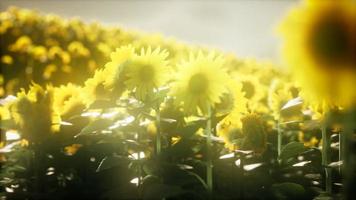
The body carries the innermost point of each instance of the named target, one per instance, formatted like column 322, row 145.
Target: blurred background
column 215, row 24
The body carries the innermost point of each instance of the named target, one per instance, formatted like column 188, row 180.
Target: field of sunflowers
column 97, row 112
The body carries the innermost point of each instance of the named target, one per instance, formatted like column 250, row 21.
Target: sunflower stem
column 341, row 149
column 279, row 142
column 209, row 162
column 349, row 163
column 158, row 135
column 139, row 167
column 326, row 156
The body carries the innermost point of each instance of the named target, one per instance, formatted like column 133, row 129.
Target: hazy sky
column 245, row 27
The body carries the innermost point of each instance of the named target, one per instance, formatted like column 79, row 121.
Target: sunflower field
column 101, row 112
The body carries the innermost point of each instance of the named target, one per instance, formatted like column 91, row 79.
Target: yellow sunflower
column 116, row 69
column 228, row 128
column 68, row 100
column 147, row 71
column 255, row 137
column 33, row 112
column 254, row 91
column 319, row 44
column 201, row 82
column 280, row 92
column 76, row 48
column 94, row 88
column 312, row 141
column 22, row 44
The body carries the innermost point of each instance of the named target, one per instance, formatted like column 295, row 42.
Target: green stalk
column 209, row 166
column 38, row 169
column 279, row 142
column 326, row 157
column 158, row 135
column 341, row 148
column 349, row 156
column 139, row 160
column 140, row 170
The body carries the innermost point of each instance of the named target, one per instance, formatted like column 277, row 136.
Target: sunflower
column 76, row 48
column 116, row 69
column 34, row 114
column 94, row 88
column 22, row 44
column 255, row 137
column 147, row 71
column 254, row 91
column 39, row 53
column 319, row 45
column 311, row 141
column 201, row 82
column 280, row 92
column 228, row 128
column 68, row 100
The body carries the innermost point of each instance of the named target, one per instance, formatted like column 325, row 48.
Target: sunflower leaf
column 94, row 126
column 291, row 149
column 7, row 124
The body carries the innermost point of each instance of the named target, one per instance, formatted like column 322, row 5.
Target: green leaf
column 288, row 190
column 150, row 168
column 311, row 125
column 110, row 162
column 190, row 129
column 96, row 125
column 291, row 149
column 200, row 179
column 183, row 148
column 7, row 124
column 293, row 103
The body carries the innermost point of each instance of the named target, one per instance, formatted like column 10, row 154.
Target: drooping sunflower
column 147, row 71
column 200, row 83
column 319, row 44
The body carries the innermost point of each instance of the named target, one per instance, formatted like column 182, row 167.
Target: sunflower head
column 280, row 92
column 229, row 132
column 331, row 35
column 22, row 44
column 67, row 100
column 200, row 83
column 94, row 88
column 229, row 129
column 308, row 140
column 34, row 114
column 116, row 69
column 254, row 91
column 147, row 71
column 255, row 137
column 319, row 45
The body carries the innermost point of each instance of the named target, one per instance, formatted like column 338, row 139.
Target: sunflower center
column 248, row 88
column 66, row 97
column 198, row 83
column 330, row 40
column 146, row 73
